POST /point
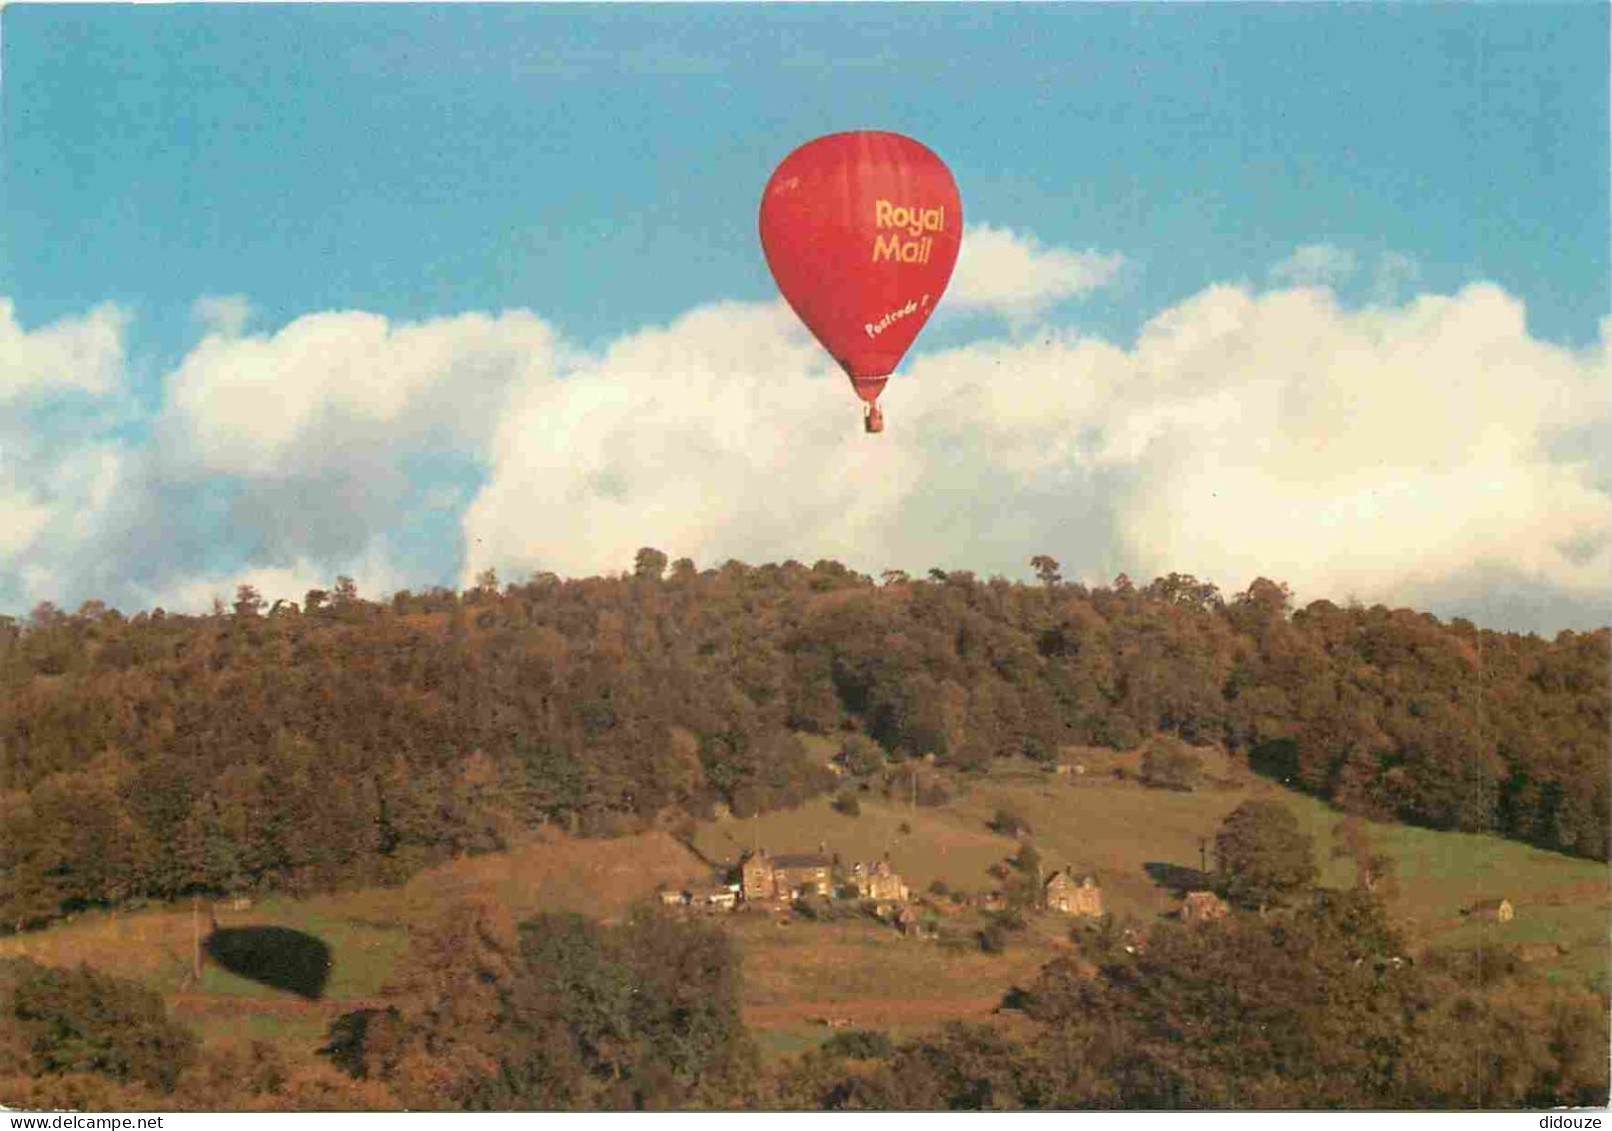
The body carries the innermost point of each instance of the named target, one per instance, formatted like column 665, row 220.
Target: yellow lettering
column 881, row 214
column 886, row 247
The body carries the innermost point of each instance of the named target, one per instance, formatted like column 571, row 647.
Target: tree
column 1169, row 763
column 649, row 564
column 1046, row 569
column 345, row 595
column 248, row 601
column 1009, row 822
column 860, row 755
column 1262, row 855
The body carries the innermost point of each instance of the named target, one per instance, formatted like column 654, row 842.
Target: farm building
column 1074, row 895
column 879, row 881
column 804, row 873
column 720, row 898
column 756, row 880
column 1202, row 907
column 1492, row 910
column 785, row 875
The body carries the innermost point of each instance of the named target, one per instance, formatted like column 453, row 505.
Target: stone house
column 1203, row 907
column 1073, row 895
column 803, row 873
column 786, row 875
column 880, row 882
column 1492, row 910
column 756, row 879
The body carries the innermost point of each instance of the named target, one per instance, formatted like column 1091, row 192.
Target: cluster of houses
column 771, row 882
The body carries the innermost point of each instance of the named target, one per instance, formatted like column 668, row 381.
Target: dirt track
column 876, row 1013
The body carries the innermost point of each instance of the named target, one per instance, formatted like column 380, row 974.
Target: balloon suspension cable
column 872, row 417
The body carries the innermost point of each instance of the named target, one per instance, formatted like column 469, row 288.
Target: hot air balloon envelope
column 861, row 231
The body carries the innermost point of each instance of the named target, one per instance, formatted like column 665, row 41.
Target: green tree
column 1262, row 855
column 1046, row 570
column 649, row 564
column 1169, row 763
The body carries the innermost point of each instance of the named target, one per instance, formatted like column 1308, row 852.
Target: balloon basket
column 872, row 419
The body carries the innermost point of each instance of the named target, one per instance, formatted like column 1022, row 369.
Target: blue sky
column 179, row 175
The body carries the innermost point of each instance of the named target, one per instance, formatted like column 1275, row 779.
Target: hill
column 347, row 742
column 849, row 969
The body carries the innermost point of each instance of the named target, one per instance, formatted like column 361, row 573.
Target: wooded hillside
column 348, row 741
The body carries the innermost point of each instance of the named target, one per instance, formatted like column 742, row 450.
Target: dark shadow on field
column 278, row 957
column 1177, row 878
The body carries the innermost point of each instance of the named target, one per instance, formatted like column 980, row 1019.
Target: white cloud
column 1415, row 453
column 374, row 575
column 50, row 517
column 222, row 314
column 22, row 517
column 83, row 353
column 1395, row 274
column 725, row 434
column 1010, row 273
column 348, row 390
column 1377, row 454
column 1316, row 264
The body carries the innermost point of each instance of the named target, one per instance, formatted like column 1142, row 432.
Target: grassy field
column 367, row 931
column 1117, row 828
column 853, row 969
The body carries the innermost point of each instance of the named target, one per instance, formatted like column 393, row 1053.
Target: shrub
column 859, row 1044
column 1168, row 763
column 1009, row 822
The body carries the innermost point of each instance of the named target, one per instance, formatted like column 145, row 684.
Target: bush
column 859, row 1044
column 1169, row 763
column 860, row 755
column 1009, row 822
column 992, row 938
column 848, row 804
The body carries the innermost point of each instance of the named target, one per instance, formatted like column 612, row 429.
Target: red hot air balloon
column 861, row 231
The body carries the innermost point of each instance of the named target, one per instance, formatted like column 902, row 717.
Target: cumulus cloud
column 1316, row 264
column 1013, row 274
column 726, row 434
column 1379, row 454
column 1428, row 452
column 337, row 390
column 1374, row 454
column 82, row 353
